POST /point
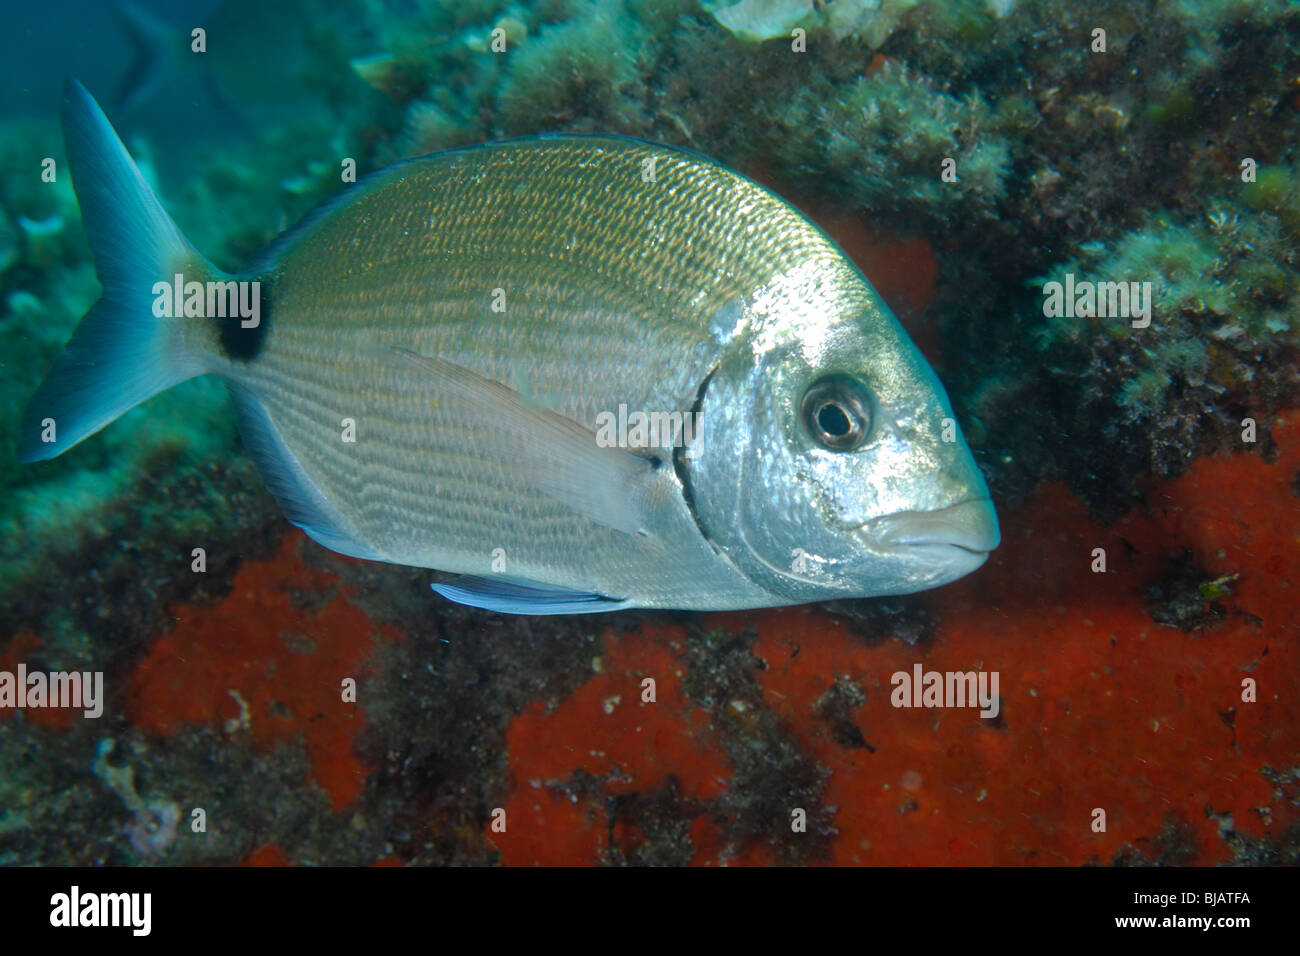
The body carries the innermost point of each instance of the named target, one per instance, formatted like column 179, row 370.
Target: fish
column 581, row 373
column 250, row 65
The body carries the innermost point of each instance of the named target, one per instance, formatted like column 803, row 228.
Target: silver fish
column 586, row 373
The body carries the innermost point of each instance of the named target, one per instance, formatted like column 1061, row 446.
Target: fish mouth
column 965, row 531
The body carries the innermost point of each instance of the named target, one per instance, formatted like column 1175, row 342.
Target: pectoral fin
column 556, row 455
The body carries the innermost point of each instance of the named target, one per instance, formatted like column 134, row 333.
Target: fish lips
column 959, row 536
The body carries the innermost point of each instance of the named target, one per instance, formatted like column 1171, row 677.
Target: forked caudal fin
column 121, row 353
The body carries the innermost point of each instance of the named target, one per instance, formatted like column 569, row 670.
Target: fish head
column 833, row 464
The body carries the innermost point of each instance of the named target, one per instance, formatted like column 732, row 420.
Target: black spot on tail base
column 243, row 343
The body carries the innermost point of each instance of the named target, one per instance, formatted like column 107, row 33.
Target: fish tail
column 122, row 352
column 153, row 62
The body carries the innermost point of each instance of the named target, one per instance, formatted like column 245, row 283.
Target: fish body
column 448, row 365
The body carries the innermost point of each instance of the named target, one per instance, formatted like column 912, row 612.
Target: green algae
column 1276, row 189
column 1224, row 290
column 583, row 69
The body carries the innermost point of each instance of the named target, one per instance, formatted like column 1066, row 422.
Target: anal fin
column 513, row 597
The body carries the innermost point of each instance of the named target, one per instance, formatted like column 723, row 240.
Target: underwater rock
column 513, row 32
column 758, row 20
column 21, row 303
column 313, row 180
column 43, row 238
column 379, row 71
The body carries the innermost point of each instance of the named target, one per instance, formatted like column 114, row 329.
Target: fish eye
column 836, row 412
